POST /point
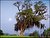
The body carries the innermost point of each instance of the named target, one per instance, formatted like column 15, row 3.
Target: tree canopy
column 27, row 18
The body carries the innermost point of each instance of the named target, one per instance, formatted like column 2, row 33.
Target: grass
column 14, row 36
column 4, row 36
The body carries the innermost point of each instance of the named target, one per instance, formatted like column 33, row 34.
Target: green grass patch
column 4, row 36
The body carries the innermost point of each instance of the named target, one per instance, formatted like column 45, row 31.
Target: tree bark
column 21, row 32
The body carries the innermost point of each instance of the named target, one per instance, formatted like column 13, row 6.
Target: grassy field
column 5, row 36
column 18, row 36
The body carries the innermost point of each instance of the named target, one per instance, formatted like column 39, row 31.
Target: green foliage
column 40, row 7
column 47, row 32
column 1, row 32
column 28, row 18
column 35, row 34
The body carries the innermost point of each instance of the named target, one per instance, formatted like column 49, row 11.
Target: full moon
column 10, row 19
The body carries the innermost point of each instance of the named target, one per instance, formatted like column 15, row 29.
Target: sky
column 8, row 12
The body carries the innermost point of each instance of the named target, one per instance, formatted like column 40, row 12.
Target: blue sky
column 8, row 12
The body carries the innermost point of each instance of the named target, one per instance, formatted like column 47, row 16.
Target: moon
column 10, row 19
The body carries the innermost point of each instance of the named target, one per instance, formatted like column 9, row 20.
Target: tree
column 46, row 33
column 1, row 32
column 28, row 18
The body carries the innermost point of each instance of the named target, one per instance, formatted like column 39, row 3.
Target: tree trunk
column 21, row 32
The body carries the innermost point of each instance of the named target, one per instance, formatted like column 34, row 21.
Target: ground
column 4, row 36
